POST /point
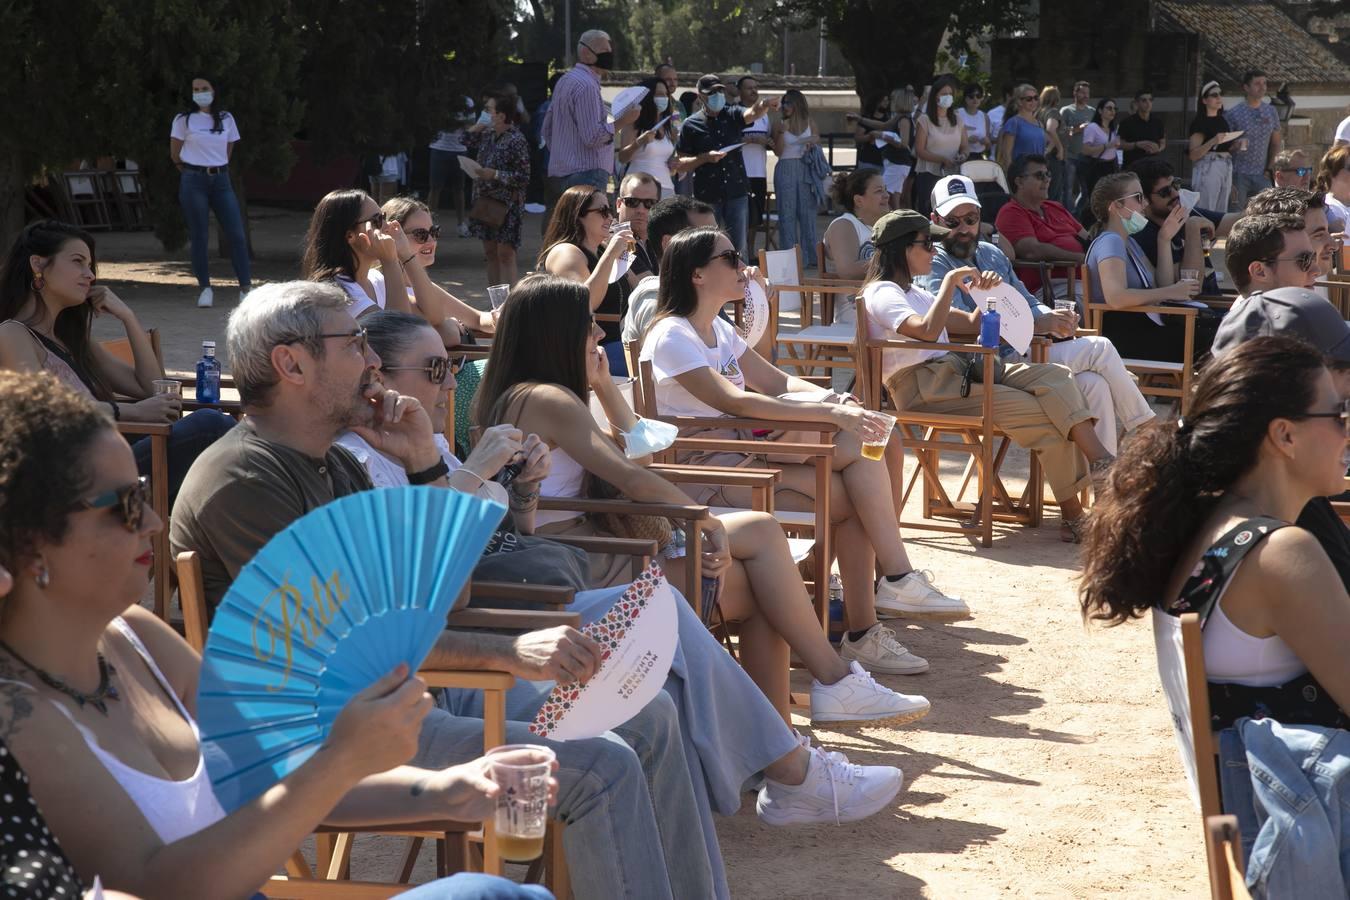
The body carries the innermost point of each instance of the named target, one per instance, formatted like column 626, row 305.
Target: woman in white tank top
column 648, row 145
column 98, row 694
column 848, row 239
column 793, row 135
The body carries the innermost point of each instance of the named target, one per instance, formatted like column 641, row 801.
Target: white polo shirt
column 201, row 145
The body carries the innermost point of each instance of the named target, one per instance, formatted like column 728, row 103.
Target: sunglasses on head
column 732, row 258
column 376, row 222
column 635, row 202
column 970, row 220
column 437, row 369
column 127, row 502
column 1304, row 260
column 422, row 235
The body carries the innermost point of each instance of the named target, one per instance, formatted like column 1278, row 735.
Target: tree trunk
column 11, row 200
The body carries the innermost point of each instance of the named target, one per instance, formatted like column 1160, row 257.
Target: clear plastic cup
column 497, row 294
column 878, row 450
column 168, row 386
column 1192, row 276
column 522, row 772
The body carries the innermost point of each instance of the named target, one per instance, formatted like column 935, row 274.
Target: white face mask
column 203, row 98
column 945, row 101
column 662, row 103
column 485, row 118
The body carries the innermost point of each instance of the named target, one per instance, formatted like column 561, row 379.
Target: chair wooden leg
column 558, row 881
column 297, row 867
column 340, row 859
column 409, row 860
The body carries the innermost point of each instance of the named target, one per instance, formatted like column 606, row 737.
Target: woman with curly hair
column 98, row 696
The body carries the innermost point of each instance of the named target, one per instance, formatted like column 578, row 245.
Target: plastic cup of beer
column 522, row 772
column 1192, row 276
column 497, row 294
column 168, row 386
column 878, row 450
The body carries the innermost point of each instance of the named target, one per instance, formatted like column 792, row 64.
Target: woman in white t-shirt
column 348, row 237
column 701, row 367
column 201, row 142
column 1037, row 405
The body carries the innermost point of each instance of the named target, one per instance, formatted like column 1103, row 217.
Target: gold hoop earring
column 38, row 283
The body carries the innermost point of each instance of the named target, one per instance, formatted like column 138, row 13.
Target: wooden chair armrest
column 618, row 546
column 690, row 511
column 1086, row 332
column 785, row 448
column 717, row 474
column 469, row 679
column 154, row 429
column 511, row 619
column 735, row 422
column 550, row 594
column 1191, row 311
column 894, row 344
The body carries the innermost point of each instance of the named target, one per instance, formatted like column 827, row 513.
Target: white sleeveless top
column 864, row 233
column 654, row 160
column 175, row 809
column 793, row 144
column 564, row 480
column 1232, row 656
column 361, row 302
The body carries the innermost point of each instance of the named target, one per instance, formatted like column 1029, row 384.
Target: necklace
column 98, row 699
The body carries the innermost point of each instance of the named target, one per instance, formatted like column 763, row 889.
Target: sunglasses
column 1304, row 260
column 1301, row 171
column 1029, row 98
column 1137, row 195
column 422, row 235
column 376, row 222
column 604, row 211
column 1343, row 414
column 970, row 220
column 437, row 369
column 635, row 202
column 128, row 502
column 926, row 243
column 1168, row 190
column 1042, row 175
column 732, row 257
column 353, row 337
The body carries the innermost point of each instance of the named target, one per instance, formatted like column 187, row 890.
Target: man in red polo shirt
column 1039, row 229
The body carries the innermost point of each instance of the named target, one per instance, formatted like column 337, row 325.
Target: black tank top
column 613, row 303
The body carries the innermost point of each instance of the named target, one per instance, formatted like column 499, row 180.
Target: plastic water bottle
column 989, row 326
column 208, row 374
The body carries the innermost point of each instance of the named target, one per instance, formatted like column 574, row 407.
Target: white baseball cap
column 953, row 191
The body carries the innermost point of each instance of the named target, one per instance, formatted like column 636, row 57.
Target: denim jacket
column 1284, row 784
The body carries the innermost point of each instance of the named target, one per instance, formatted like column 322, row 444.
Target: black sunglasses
column 1168, row 189
column 1301, row 171
column 732, row 257
column 1042, row 175
column 970, row 220
column 926, row 243
column 604, row 211
column 1304, row 260
column 422, row 235
column 635, row 202
column 128, row 502
column 376, row 222
column 437, row 369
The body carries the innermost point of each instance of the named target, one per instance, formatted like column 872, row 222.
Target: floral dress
column 509, row 155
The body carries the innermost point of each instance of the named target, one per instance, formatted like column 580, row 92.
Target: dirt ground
column 1046, row 768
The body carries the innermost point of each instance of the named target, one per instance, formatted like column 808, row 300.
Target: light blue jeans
column 199, row 194
column 476, row 886
column 734, row 216
column 796, row 208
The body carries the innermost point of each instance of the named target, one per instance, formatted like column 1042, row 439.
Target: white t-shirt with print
column 361, row 303
column 202, row 146
column 674, row 347
column 887, row 306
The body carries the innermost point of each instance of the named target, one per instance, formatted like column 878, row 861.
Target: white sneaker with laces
column 879, row 651
column 857, row 699
column 834, row 790
column 205, row 298
column 914, row 597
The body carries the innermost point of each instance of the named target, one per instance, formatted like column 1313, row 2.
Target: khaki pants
column 1035, row 404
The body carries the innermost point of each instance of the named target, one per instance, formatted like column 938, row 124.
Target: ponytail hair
column 1171, row 475
column 1108, row 190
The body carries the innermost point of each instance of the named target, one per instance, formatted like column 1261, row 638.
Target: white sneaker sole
column 882, row 668
column 928, row 613
column 903, row 717
column 778, row 816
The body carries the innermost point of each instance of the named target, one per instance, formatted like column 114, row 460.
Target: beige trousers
column 1036, row 404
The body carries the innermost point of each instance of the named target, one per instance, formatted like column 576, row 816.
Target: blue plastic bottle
column 208, row 374
column 989, row 326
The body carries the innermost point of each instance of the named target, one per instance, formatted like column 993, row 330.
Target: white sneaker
column 834, row 790
column 879, row 651
column 463, row 229
column 915, row 597
column 205, row 298
column 244, row 294
column 857, row 699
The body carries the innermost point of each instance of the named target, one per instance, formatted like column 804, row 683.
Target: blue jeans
column 476, row 886
column 596, row 178
column 199, row 194
column 796, row 208
column 1244, row 188
column 191, row 435
column 733, row 214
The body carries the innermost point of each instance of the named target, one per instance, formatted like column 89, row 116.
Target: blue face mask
column 203, row 98
column 1135, row 222
column 716, row 103
column 662, row 103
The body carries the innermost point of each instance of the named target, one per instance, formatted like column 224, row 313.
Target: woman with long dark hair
column 1212, row 172
column 201, row 144
column 1038, row 406
column 352, row 243
column 940, row 142
column 48, row 301
column 579, row 246
column 415, row 220
column 1101, row 144
column 646, row 148
column 540, row 380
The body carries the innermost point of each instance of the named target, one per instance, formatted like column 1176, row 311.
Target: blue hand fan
column 331, row 604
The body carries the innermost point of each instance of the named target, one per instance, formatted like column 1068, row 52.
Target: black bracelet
column 408, row 260
column 116, row 410
column 427, row 476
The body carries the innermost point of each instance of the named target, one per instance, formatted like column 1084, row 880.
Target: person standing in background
column 1261, row 139
column 1212, row 169
column 501, row 151
column 998, row 114
column 939, row 141
column 1049, row 117
column 1074, row 120
column 666, row 73
column 444, row 164
column 646, row 148
column 201, row 143
column 579, row 136
column 755, row 153
column 976, row 120
column 793, row 135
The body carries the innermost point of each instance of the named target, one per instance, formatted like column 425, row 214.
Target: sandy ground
column 1046, row 768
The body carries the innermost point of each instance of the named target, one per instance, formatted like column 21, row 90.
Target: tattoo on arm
column 15, row 699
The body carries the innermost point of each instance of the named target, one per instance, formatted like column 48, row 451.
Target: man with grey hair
column 306, row 374
column 580, row 139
